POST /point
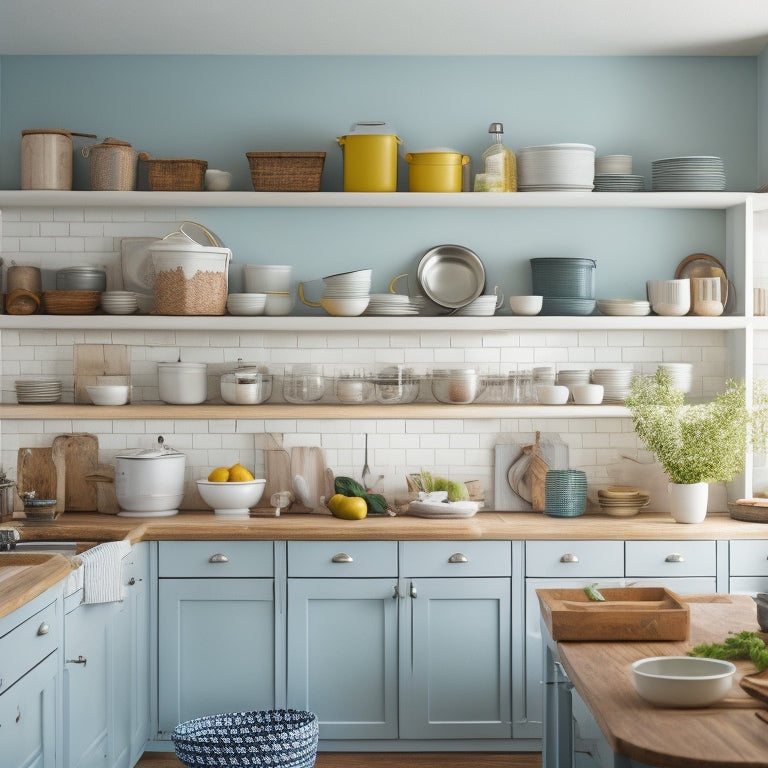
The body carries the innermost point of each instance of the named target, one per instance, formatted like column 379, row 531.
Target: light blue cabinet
column 30, row 698
column 216, row 634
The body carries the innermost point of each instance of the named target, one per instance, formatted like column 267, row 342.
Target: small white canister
column 182, row 383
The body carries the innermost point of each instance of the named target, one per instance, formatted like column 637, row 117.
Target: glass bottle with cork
column 499, row 165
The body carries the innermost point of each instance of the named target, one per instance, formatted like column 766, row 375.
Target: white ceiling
column 385, row 27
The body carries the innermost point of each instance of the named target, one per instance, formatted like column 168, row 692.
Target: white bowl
column 350, row 307
column 587, row 394
column 108, row 394
column 526, row 305
column 682, row 681
column 230, row 498
column 217, row 181
column 278, row 303
column 267, row 278
column 552, row 394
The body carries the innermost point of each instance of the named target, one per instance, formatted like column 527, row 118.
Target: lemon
column 219, row 475
column 348, row 507
column 238, row 474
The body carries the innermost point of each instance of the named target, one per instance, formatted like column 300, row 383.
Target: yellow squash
column 348, row 507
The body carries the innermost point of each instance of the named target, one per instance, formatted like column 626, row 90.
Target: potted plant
column 697, row 443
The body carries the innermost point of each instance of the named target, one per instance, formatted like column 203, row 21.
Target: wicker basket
column 286, row 171
column 170, row 175
column 282, row 738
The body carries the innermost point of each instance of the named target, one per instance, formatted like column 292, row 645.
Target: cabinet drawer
column 749, row 558
column 215, row 559
column 341, row 559
column 457, row 558
column 27, row 645
column 574, row 558
column 671, row 558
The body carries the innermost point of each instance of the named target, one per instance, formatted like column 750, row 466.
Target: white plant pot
column 688, row 501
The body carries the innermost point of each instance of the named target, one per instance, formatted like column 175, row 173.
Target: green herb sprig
column 742, row 645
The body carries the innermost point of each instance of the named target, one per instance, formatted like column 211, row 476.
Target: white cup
column 670, row 297
column 267, row 278
column 706, row 296
column 278, row 303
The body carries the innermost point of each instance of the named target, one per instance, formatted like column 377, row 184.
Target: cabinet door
column 342, row 655
column 455, row 659
column 216, row 648
column 28, row 718
column 88, row 686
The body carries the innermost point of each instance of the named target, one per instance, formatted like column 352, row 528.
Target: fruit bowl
column 231, row 498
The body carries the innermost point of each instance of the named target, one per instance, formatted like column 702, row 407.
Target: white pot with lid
column 182, row 383
column 150, row 482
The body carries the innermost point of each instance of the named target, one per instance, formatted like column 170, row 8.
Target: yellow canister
column 370, row 159
column 436, row 171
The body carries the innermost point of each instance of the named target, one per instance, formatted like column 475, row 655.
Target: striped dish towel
column 102, row 571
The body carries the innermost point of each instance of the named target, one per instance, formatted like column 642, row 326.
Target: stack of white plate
column 246, row 303
column 688, row 174
column 575, row 376
column 390, row 304
column 348, row 285
column 630, row 307
column 619, row 182
column 38, row 390
column 482, row 306
column 681, row 375
column 615, row 381
column 119, row 302
column 556, row 167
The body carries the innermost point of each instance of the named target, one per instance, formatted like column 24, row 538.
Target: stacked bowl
column 567, row 167
column 565, row 493
column 622, row 500
column 681, row 375
column 246, row 303
column 119, row 302
column 567, row 285
column 615, row 381
column 347, row 294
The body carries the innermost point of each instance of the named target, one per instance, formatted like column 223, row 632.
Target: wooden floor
column 389, row 760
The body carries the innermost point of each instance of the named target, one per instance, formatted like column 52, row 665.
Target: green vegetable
column 744, row 645
column 348, row 487
column 376, row 503
column 456, row 491
column 592, row 592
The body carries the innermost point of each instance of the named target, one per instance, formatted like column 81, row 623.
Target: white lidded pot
column 150, row 482
column 182, row 383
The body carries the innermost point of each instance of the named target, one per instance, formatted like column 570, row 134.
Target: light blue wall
column 762, row 118
column 217, row 108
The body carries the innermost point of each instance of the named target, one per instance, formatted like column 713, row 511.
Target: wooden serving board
column 628, row 613
column 76, row 456
column 36, row 471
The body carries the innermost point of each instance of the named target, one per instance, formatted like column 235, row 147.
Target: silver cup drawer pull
column 44, row 628
column 569, row 557
column 674, row 557
column 218, row 558
column 342, row 557
column 458, row 557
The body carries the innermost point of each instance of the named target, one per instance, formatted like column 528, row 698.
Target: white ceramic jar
column 182, row 383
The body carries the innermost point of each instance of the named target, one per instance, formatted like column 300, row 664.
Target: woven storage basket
column 282, row 738
column 171, row 175
column 286, row 171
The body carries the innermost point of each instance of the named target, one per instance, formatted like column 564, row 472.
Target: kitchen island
column 728, row 733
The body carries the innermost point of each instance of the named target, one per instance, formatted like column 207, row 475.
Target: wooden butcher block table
column 726, row 734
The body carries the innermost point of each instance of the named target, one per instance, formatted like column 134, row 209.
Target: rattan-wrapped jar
column 113, row 165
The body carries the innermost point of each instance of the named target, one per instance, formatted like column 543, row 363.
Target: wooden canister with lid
column 46, row 159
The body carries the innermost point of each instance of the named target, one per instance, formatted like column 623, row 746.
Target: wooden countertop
column 726, row 734
column 85, row 526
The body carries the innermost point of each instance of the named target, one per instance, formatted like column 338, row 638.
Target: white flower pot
column 688, row 501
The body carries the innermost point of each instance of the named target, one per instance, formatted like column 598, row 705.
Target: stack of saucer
column 624, row 307
column 688, row 174
column 482, row 306
column 38, row 390
column 119, row 302
column 619, row 182
column 681, row 375
column 246, row 303
column 390, row 304
column 615, row 381
column 622, row 500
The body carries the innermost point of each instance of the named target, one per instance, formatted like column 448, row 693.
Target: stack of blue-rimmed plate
column 565, row 493
column 688, row 174
column 619, row 182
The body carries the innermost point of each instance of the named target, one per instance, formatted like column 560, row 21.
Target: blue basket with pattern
column 280, row 738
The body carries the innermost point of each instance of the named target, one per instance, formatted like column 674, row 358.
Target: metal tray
column 451, row 276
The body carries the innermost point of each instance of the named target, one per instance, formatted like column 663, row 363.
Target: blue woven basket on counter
column 280, row 738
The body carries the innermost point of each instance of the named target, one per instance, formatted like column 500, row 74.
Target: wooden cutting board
column 36, row 471
column 76, row 456
column 277, row 472
column 309, row 462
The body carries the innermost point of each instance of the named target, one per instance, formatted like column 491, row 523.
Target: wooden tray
column 629, row 613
